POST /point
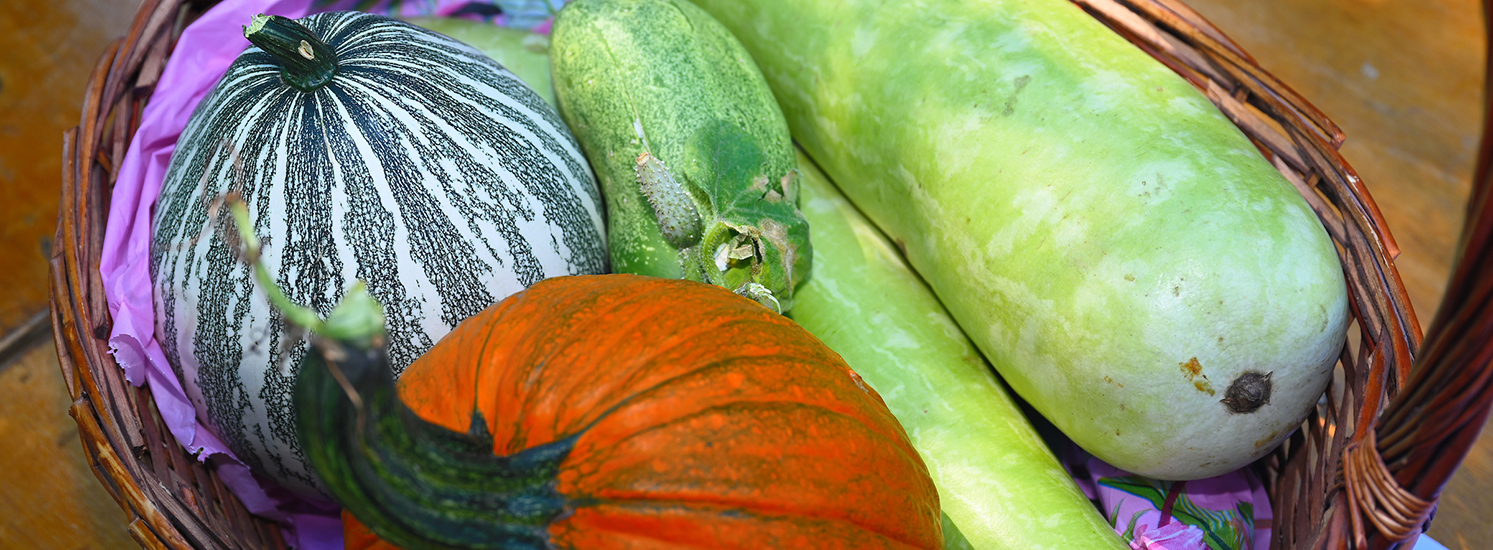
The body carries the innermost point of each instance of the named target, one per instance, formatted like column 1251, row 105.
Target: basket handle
column 1427, row 430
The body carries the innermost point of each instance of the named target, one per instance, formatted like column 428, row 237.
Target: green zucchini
column 1114, row 245
column 693, row 154
column 997, row 481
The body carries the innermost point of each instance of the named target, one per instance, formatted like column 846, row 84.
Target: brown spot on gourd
column 1130, row 278
column 1267, row 439
column 1192, row 368
column 1010, row 106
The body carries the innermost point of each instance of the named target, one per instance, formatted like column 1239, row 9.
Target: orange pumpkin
column 671, row 414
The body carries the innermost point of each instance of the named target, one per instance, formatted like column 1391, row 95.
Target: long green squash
column 1119, row 251
column 997, row 481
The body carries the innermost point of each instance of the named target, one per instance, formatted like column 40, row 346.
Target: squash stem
column 306, row 62
column 414, row 483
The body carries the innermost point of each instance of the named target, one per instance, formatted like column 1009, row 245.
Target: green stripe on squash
column 420, row 166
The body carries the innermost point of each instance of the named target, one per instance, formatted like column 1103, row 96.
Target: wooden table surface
column 1403, row 79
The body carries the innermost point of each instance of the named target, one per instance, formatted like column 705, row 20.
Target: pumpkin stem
column 306, row 62
column 414, row 483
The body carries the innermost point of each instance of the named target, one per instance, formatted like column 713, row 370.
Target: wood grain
column 49, row 48
column 49, row 498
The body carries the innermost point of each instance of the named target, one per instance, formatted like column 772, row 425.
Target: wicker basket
column 1329, row 484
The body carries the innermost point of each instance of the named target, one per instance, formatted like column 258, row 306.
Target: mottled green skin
column 997, row 481
column 1091, row 220
column 525, row 53
column 706, row 112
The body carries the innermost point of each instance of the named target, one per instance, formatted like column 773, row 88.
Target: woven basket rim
column 175, row 502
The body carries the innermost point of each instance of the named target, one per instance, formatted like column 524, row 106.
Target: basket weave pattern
column 173, row 500
column 176, row 502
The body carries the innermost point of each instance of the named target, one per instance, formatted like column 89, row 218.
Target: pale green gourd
column 997, row 481
column 1110, row 241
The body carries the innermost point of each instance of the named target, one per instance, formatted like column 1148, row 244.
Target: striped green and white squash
column 384, row 153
